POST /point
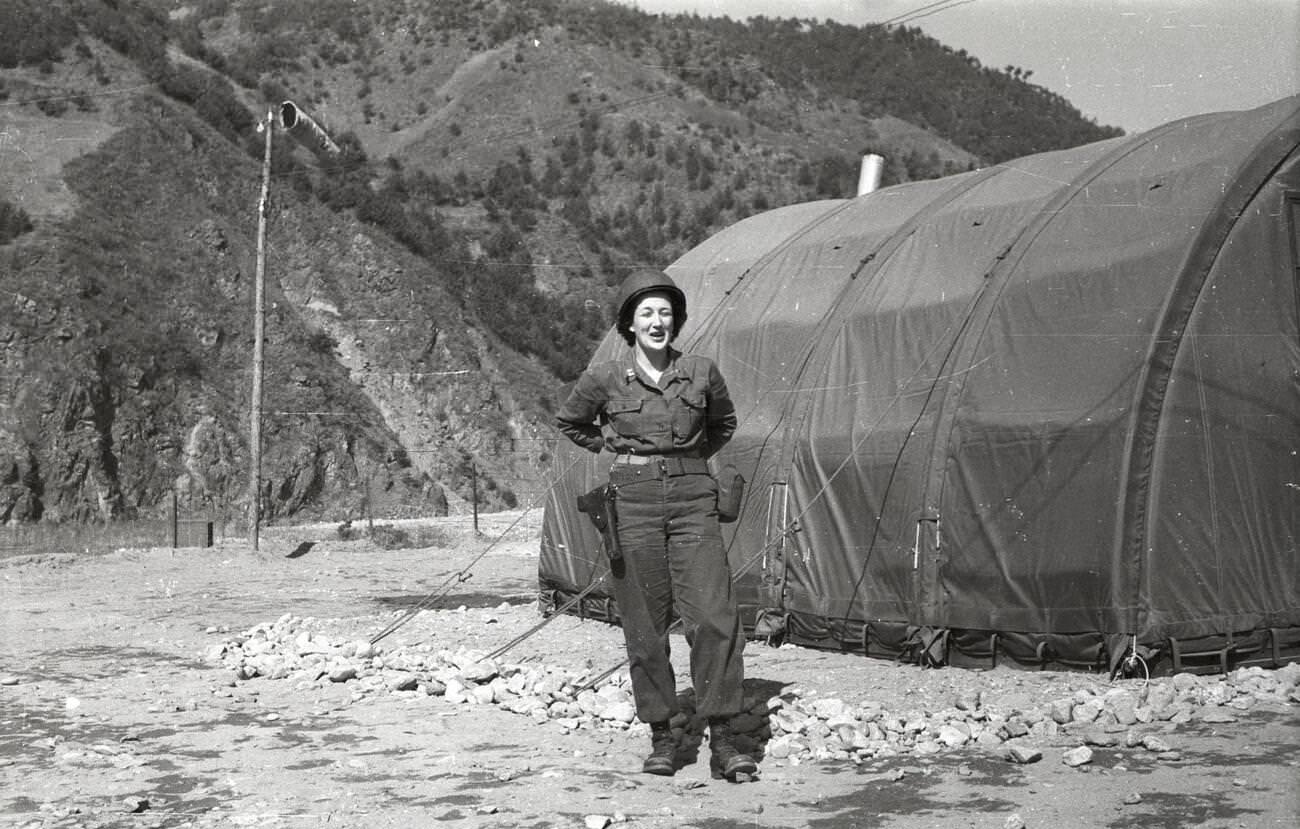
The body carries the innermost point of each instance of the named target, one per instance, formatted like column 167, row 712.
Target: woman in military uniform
column 662, row 414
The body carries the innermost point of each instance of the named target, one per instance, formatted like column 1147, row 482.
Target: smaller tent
column 1045, row 413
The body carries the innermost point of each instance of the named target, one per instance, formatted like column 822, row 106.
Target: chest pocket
column 628, row 417
column 688, row 414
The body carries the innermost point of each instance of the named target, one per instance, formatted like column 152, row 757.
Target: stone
column 136, row 805
column 343, row 673
column 953, row 736
column 830, row 708
column 479, row 672
column 780, row 748
column 1078, row 756
column 501, row 689
column 1124, row 706
column 591, row 703
column 1161, row 696
column 1153, row 743
column 550, row 685
column 1100, row 738
column 852, row 737
column 1022, row 754
column 1184, row 682
column 969, row 701
column 624, row 712
column 612, row 693
column 988, row 739
column 455, row 693
column 788, row 721
column 256, row 647
column 1061, row 710
column 793, row 728
column 1215, row 694
column 410, row 682
column 1182, row 713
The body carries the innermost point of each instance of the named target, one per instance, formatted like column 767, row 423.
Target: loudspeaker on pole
column 306, row 131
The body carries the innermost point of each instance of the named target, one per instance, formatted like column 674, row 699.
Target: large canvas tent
column 1045, row 413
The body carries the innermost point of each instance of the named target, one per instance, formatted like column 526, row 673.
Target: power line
column 936, row 11
column 299, row 172
column 924, row 11
column 78, row 96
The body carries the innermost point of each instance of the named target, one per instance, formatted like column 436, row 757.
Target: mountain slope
column 432, row 286
column 128, row 355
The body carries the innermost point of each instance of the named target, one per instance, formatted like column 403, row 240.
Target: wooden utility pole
column 473, row 474
column 259, row 330
column 305, row 129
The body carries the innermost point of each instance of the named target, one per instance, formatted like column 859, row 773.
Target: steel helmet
column 646, row 281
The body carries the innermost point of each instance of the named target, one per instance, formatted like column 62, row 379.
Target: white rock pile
column 792, row 727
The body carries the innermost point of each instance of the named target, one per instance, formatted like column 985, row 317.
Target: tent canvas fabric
column 1044, row 413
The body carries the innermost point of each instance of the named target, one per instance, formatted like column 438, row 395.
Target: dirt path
column 117, row 710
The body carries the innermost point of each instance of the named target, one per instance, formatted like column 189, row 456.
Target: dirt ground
column 113, row 713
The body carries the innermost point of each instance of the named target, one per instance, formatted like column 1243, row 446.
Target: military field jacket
column 615, row 406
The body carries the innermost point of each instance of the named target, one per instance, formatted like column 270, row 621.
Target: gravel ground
column 225, row 686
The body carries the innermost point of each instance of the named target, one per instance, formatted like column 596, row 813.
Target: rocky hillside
column 432, row 285
column 127, row 352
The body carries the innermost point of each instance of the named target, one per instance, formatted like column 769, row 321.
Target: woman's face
column 652, row 323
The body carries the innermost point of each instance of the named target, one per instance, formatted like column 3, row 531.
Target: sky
column 1134, row 64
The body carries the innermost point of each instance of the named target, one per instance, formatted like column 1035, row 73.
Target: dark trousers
column 673, row 560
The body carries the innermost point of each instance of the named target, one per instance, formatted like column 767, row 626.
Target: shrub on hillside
column 34, row 33
column 53, row 107
column 212, row 98
column 14, row 222
column 136, row 30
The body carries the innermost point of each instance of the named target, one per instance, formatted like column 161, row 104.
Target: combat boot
column 663, row 751
column 727, row 760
